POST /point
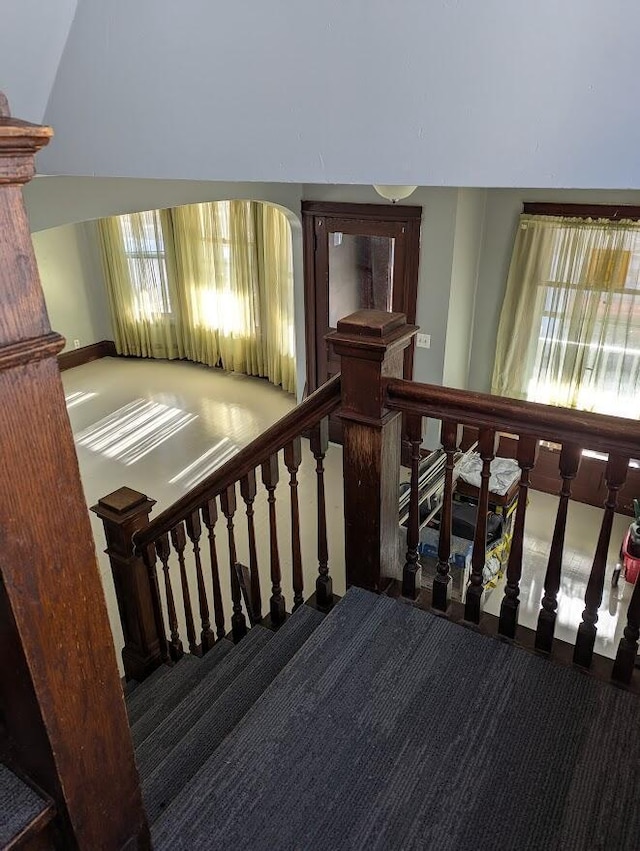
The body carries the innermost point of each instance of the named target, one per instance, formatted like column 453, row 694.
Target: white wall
column 53, row 201
column 33, row 34
column 501, row 219
column 73, row 283
column 455, row 93
column 464, row 278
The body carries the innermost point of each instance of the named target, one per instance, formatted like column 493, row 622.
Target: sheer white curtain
column 218, row 289
column 569, row 330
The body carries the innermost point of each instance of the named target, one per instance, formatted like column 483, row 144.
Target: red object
column 630, row 553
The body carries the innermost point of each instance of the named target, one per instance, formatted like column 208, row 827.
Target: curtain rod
column 614, row 212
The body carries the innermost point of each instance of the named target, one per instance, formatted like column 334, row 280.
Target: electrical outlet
column 76, row 344
column 423, row 341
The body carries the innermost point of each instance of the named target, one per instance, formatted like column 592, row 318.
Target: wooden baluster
column 412, row 572
column 293, row 459
column 209, row 516
column 475, row 591
column 149, row 559
column 527, row 456
column 179, row 541
column 238, row 620
column 163, row 550
column 614, row 477
column 628, row 647
column 319, row 443
column 248, row 489
column 441, row 593
column 194, row 530
column 270, row 477
column 569, row 463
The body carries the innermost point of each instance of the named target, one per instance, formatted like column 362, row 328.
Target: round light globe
column 394, row 193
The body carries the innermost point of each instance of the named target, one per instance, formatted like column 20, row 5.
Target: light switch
column 423, row 341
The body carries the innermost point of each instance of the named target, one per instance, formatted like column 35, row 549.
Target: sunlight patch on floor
column 206, row 464
column 134, row 430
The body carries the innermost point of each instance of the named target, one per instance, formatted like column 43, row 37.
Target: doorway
column 356, row 256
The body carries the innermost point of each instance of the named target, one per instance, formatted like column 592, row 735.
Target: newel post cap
column 371, row 334
column 122, row 505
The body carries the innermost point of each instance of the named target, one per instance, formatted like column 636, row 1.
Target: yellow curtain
column 228, row 269
column 141, row 295
column 275, row 276
column 569, row 331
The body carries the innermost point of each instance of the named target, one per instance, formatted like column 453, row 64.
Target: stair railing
column 143, row 553
column 530, row 422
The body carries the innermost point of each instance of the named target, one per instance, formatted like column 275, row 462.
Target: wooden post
column 64, row 719
column 124, row 512
column 371, row 344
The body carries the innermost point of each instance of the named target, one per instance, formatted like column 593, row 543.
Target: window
column 145, row 253
column 209, row 282
column 570, row 327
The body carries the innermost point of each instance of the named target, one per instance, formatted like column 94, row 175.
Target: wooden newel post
column 123, row 513
column 64, row 722
column 371, row 344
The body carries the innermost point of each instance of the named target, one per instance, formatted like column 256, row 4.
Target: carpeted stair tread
column 167, row 734
column 176, row 689
column 129, row 687
column 150, row 690
column 402, row 730
column 19, row 806
column 163, row 783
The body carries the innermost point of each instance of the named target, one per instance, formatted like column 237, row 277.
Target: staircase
column 383, row 726
column 374, row 725
column 25, row 813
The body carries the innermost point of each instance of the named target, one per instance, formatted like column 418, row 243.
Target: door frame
column 409, row 216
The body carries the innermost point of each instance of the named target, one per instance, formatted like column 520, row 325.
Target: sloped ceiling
column 33, row 34
column 431, row 92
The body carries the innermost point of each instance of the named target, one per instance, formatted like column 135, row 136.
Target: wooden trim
column 613, row 212
column 86, row 354
column 399, row 218
column 308, row 250
column 30, row 350
column 335, row 209
column 308, row 413
column 546, row 422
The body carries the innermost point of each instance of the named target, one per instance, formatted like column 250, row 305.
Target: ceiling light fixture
column 394, row 193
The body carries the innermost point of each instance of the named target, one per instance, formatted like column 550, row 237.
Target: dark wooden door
column 356, row 256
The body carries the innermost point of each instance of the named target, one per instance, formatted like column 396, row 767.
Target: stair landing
column 395, row 729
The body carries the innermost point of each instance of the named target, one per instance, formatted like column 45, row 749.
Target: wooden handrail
column 318, row 405
column 546, row 422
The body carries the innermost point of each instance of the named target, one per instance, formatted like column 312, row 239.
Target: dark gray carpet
column 19, row 805
column 394, row 729
column 167, row 734
column 175, row 689
column 152, row 688
column 219, row 716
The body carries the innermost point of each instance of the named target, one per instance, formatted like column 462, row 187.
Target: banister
column 559, row 425
column 316, row 406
